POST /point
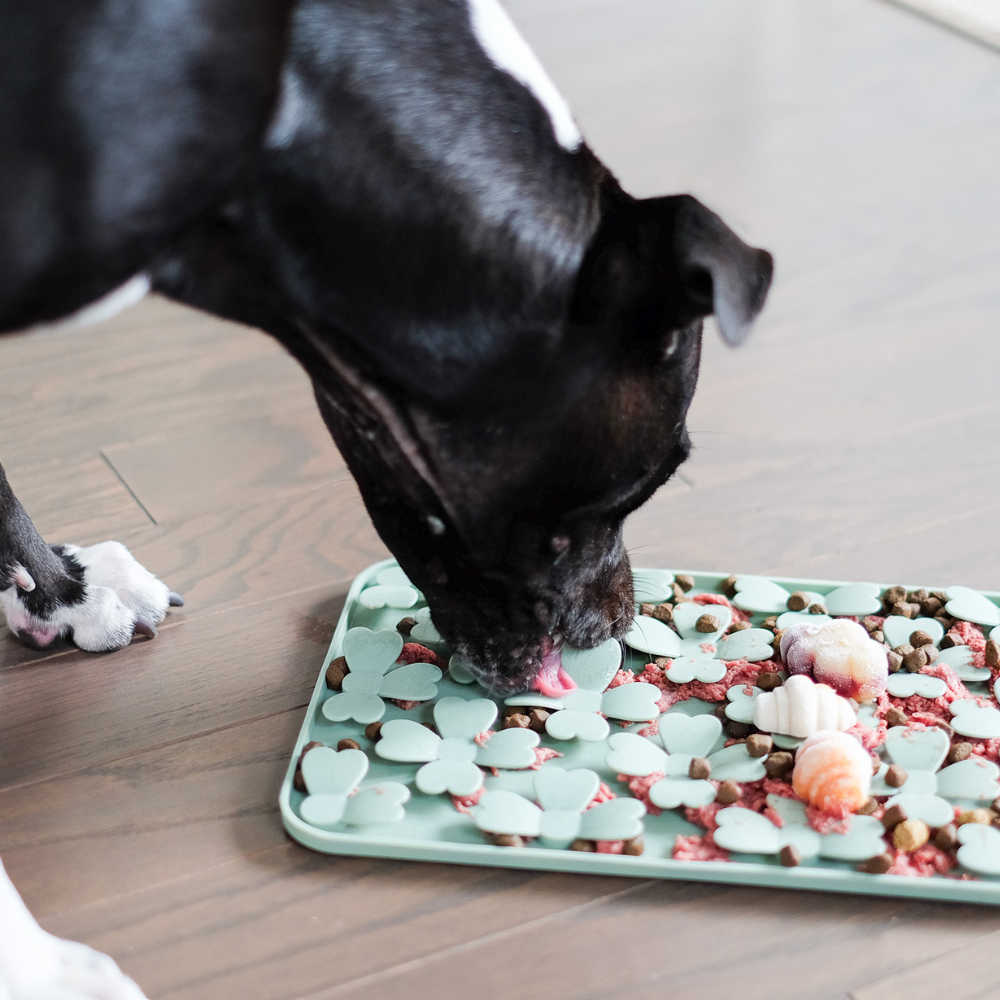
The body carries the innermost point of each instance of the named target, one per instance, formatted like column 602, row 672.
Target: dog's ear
column 719, row 272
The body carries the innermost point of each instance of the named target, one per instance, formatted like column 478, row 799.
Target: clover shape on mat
column 459, row 670
column 392, row 589
column 978, row 721
column 763, row 596
column 332, row 779
column 740, row 709
column 683, row 738
column 972, row 606
column 897, row 630
column 425, row 631
column 561, row 815
column 652, row 586
column 370, row 655
column 928, row 793
column 575, row 714
column 980, row 850
column 698, row 655
column 748, row 832
column 452, row 761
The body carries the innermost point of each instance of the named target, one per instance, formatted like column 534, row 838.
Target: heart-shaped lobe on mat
column 371, row 652
column 331, row 772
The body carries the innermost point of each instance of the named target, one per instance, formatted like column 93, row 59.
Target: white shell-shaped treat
column 801, row 707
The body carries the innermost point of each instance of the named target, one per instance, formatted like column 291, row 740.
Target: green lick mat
column 398, row 803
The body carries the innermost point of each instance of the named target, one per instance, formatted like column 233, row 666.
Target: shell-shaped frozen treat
column 801, row 707
column 839, row 653
column 833, row 772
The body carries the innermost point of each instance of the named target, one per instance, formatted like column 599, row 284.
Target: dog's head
column 505, row 503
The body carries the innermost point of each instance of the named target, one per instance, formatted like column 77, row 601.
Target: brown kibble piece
column 738, row 730
column 633, row 847
column 893, row 816
column 930, row 607
column 336, row 672
column 406, row 625
column 947, row 837
column 868, row 807
column 779, row 763
column 685, row 581
column 940, row 595
column 374, row 731
column 728, row 586
column 517, row 721
column 959, row 751
column 915, row 661
column 877, row 865
column 728, row 793
column 790, row 856
column 893, row 594
column 664, row 612
column 588, row 846
column 931, row 653
column 507, row 840
column 699, row 768
column 797, row 601
column 770, row 622
column 902, row 609
column 895, row 661
column 768, row 680
column 817, row 609
column 878, row 636
column 680, row 596
column 876, row 764
column 707, row 623
column 993, row 653
column 948, row 641
column 759, row 744
column 911, row 835
column 984, row 816
column 904, row 650
column 430, row 726
column 895, row 717
column 537, row 718
column 918, row 638
column 647, row 609
column 739, row 626
column 896, row 776
column 663, row 661
column 919, row 595
column 870, row 624
column 348, row 745
column 946, row 622
column 776, row 641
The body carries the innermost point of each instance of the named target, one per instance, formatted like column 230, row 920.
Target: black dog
column 502, row 342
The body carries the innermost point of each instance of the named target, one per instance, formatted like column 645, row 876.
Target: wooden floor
column 857, row 435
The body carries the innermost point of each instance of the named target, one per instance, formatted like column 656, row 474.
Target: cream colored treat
column 832, row 772
column 839, row 653
column 801, row 707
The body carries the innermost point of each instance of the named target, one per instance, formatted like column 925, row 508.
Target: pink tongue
column 552, row 680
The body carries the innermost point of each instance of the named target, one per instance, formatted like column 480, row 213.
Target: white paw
column 36, row 965
column 120, row 597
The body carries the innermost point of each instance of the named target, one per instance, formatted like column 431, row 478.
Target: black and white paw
column 105, row 598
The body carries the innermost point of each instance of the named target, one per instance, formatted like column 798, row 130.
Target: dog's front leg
column 98, row 596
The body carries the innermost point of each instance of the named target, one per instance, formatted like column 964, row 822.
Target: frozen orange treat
column 832, row 772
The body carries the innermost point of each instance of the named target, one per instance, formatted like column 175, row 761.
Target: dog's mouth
column 552, row 679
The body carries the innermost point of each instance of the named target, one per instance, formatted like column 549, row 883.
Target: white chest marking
column 502, row 42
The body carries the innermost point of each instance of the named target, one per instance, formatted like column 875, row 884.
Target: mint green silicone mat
column 374, row 807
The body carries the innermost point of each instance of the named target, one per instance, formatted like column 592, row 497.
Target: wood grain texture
column 853, row 436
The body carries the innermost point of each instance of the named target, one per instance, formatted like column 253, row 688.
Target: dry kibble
column 768, row 680
column 918, row 595
column 797, row 601
column 911, row 835
column 946, row 622
column 728, row 793
column 993, row 653
column 664, row 613
column 817, row 609
column 918, row 637
column 537, row 718
column 720, row 713
column 728, row 586
column 947, row 642
column 902, row 609
column 739, row 626
column 947, row 837
column 770, row 622
column 517, row 721
column 904, row 650
column 959, row 751
column 685, row 581
column 374, row 731
column 876, row 764
column 776, row 641
column 336, row 672
column 870, row 806
column 348, row 745
column 895, row 717
column 931, row 653
column 759, row 745
column 878, row 636
column 647, row 609
column 633, row 847
column 406, row 625
column 707, row 623
column 984, row 816
column 870, row 624
column 895, row 661
column 941, row 595
column 893, row 816
column 930, row 607
column 877, row 865
column 738, row 730
column 790, row 856
column 893, row 594
column 896, row 776
column 779, row 763
column 507, row 840
column 431, row 727
column 699, row 768
column 915, row 661
column 663, row 661
column 583, row 845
